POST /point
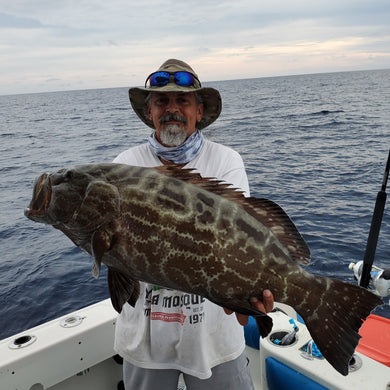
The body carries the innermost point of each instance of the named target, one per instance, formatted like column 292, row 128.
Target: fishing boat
column 76, row 352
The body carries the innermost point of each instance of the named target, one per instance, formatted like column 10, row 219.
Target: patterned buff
column 181, row 154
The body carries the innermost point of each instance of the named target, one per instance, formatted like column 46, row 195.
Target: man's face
column 174, row 115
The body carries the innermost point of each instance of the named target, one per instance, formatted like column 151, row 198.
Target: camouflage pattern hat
column 210, row 97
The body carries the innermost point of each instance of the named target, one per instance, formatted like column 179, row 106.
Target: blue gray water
column 315, row 144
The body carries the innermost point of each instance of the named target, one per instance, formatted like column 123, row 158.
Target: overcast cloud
column 50, row 45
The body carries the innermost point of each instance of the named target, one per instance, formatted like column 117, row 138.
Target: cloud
column 103, row 44
column 12, row 21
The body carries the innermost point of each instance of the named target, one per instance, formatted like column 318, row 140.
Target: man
column 170, row 332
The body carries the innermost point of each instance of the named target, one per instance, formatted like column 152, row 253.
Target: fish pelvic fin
column 334, row 318
column 122, row 289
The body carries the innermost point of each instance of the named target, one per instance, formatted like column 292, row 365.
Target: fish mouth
column 41, row 198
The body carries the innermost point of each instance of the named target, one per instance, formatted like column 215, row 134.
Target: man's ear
column 148, row 111
column 199, row 112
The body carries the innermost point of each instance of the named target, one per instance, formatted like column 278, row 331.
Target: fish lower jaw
column 35, row 215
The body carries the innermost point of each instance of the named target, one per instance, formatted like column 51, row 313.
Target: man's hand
column 266, row 306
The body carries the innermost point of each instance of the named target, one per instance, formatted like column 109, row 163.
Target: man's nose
column 172, row 106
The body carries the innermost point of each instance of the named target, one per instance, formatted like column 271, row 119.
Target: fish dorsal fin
column 265, row 211
column 208, row 183
column 276, row 219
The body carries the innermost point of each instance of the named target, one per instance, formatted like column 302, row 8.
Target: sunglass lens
column 184, row 79
column 159, row 79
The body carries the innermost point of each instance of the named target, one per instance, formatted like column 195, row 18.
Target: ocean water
column 315, row 144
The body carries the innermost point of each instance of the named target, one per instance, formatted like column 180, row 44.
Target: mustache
column 172, row 117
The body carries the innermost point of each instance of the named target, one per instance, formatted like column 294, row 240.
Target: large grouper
column 172, row 228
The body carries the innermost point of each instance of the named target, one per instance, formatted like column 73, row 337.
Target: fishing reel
column 379, row 278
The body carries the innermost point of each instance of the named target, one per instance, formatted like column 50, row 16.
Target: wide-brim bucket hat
column 210, row 97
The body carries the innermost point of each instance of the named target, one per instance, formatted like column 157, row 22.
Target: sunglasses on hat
column 182, row 78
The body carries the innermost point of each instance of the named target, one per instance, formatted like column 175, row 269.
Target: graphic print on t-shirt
column 166, row 305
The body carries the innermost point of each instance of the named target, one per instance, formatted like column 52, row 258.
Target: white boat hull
column 76, row 352
column 64, row 357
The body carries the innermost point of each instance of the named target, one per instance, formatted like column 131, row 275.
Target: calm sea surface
column 315, row 144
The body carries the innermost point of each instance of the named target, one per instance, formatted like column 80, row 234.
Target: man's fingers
column 265, row 306
column 242, row 319
column 268, row 300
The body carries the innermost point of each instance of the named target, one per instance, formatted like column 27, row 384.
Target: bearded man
column 170, row 332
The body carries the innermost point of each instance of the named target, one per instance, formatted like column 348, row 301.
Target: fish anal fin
column 100, row 244
column 264, row 325
column 263, row 321
column 122, row 289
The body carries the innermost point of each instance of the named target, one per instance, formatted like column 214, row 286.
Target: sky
column 48, row 45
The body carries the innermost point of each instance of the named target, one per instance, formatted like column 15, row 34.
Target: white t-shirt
column 169, row 329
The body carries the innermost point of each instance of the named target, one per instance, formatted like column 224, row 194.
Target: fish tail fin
column 334, row 317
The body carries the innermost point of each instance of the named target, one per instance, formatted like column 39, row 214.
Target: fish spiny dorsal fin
column 208, row 183
column 265, row 211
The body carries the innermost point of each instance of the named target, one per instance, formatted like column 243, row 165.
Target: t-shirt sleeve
column 140, row 156
column 235, row 173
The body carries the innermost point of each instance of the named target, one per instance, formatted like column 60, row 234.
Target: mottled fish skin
column 171, row 228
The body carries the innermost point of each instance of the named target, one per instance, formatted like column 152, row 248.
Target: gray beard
column 173, row 135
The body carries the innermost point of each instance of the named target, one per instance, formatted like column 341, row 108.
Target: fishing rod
column 374, row 230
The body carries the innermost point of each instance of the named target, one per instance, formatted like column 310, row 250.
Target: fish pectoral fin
column 100, row 244
column 100, row 204
column 122, row 289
